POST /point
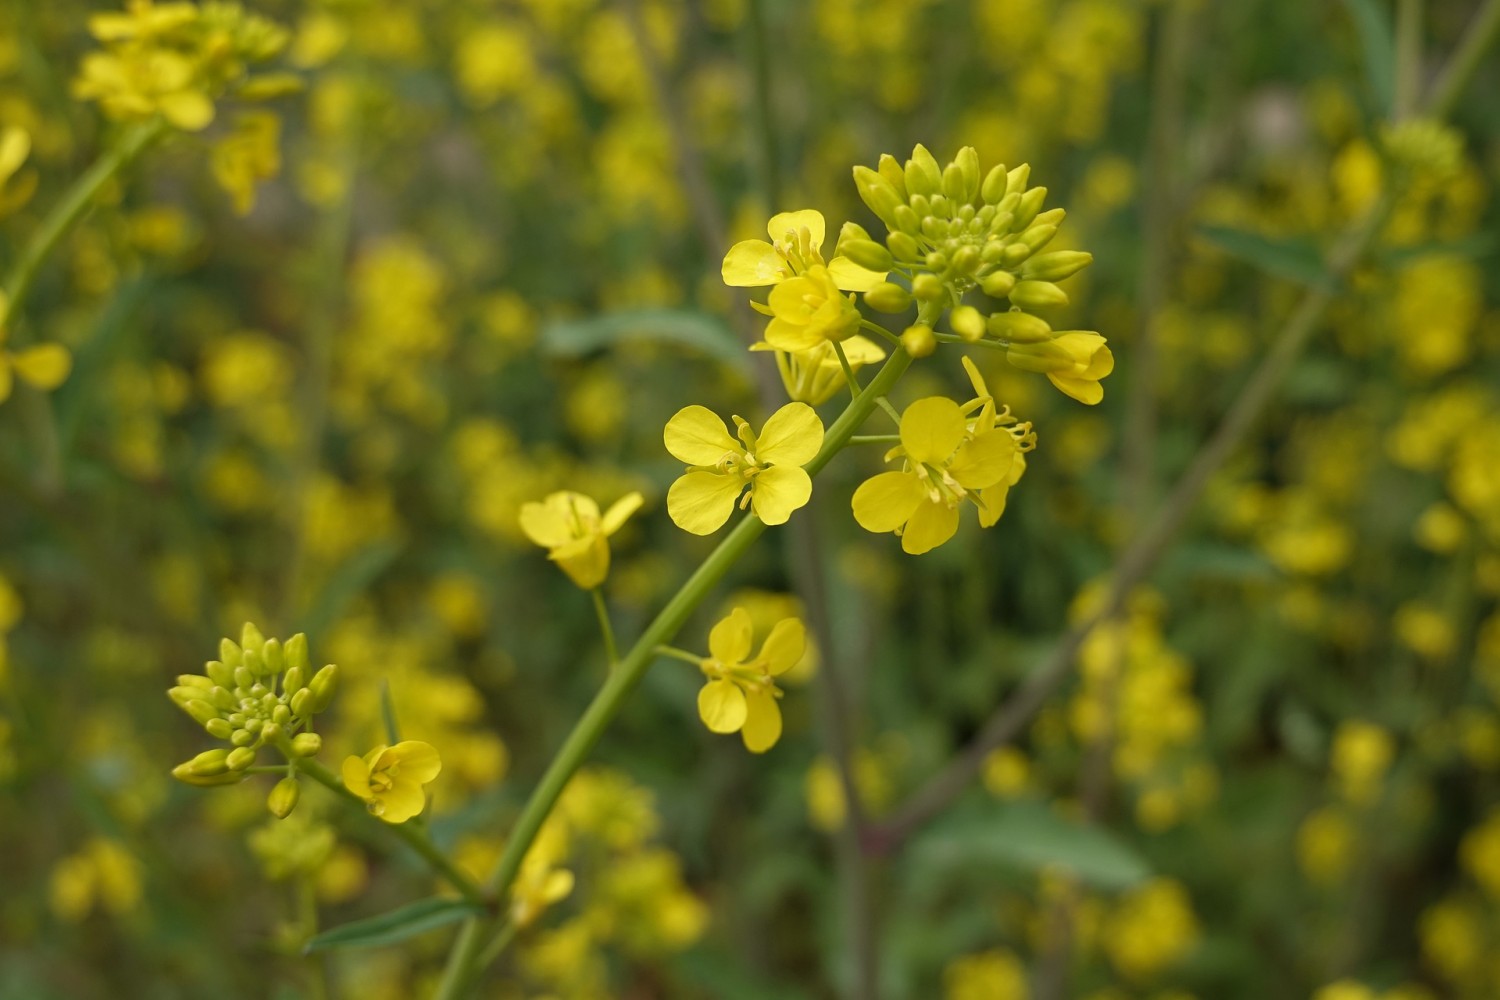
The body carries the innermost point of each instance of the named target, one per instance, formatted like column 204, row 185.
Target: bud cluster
column 953, row 231
column 257, row 694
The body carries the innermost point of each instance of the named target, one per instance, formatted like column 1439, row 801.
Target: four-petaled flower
column 720, row 467
column 947, row 462
column 992, row 498
column 809, row 310
column 741, row 692
column 390, row 779
column 796, row 242
column 570, row 527
column 1092, row 361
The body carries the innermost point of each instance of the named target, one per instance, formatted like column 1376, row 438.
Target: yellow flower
column 992, row 498
column 44, row 366
column 247, row 156
column 810, row 310
column 814, row 376
column 569, row 526
column 796, row 241
column 1091, row 361
column 390, row 779
column 741, row 693
column 719, row 467
column 946, row 463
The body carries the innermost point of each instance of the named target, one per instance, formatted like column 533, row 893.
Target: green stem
column 1478, row 37
column 679, row 654
column 880, row 331
column 875, row 439
column 463, row 959
column 605, row 627
column 415, row 836
column 66, row 213
column 849, row 378
column 1408, row 57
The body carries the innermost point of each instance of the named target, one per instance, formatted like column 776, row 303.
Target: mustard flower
column 814, row 376
column 810, row 310
column 1074, row 362
column 570, row 527
column 741, row 693
column 992, row 498
column 720, row 468
column 796, row 244
column 390, row 778
column 946, row 463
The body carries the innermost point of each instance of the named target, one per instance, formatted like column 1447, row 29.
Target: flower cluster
column 175, row 59
column 259, row 693
column 568, row 525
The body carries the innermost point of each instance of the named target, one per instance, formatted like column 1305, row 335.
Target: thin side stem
column 1479, row 36
column 849, row 378
column 608, row 630
column 1408, row 57
column 414, row 836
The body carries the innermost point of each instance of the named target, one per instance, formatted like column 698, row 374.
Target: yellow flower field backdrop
column 860, row 499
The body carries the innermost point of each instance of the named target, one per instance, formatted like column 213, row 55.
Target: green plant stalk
column 463, row 960
column 1479, row 36
column 414, row 836
column 608, row 630
column 132, row 142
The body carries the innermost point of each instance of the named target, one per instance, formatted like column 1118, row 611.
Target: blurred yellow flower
column 741, row 692
column 576, row 536
column 1090, row 361
column 720, row 468
column 390, row 778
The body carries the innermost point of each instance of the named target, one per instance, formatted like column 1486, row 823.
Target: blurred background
column 324, row 348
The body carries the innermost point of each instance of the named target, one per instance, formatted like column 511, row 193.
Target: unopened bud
column 1029, row 205
column 877, row 192
column 244, row 679
column 927, row 287
column 185, row 776
column 1038, row 295
column 907, row 221
column 867, row 254
column 295, row 652
column 918, row 340
column 250, row 638
column 220, row 673
column 1038, row 236
column 1017, row 327
column 322, row 686
column 219, row 729
column 1041, row 357
column 890, row 168
column 1057, row 265
column 967, row 323
column 997, row 284
column 229, row 653
column 888, row 297
column 201, row 711
column 923, row 176
column 299, row 703
column 283, row 797
column 903, row 246
column 272, row 656
column 240, row 758
column 306, row 744
column 208, row 763
column 1015, row 181
column 967, row 162
column 993, row 188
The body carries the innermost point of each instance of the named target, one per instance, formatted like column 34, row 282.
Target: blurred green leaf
column 696, row 330
column 1028, row 836
column 1478, row 245
column 1379, row 46
column 1295, row 260
column 397, row 925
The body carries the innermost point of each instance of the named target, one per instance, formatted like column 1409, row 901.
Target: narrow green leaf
column 1379, row 45
column 397, row 925
column 1027, row 836
column 697, row 331
column 1295, row 260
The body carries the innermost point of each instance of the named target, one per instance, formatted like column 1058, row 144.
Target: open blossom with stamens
column 740, row 695
column 796, row 245
column 766, row 467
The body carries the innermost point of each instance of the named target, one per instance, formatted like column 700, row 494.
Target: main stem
column 463, row 964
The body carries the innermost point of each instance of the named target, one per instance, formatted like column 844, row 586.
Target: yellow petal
column 557, row 886
column 762, row 720
column 993, row 501
column 778, row 491
column 405, row 800
column 792, row 337
column 374, row 760
column 753, row 263
column 417, row 760
column 586, row 561
column 975, row 379
column 697, row 435
column 983, row 460
column 850, row 277
column 858, row 351
column 15, row 146
column 546, row 524
column 792, row 222
column 620, row 511
column 700, row 502
column 792, row 436
column 44, row 366
column 721, row 705
column 931, row 525
column 729, row 639
column 356, row 776
column 1082, row 389
column 931, row 429
column 784, row 647
column 886, row 502
column 189, row 110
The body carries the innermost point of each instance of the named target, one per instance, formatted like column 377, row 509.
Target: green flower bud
column 921, row 204
column 888, row 297
column 934, row 228
column 243, row 678
column 852, row 231
column 967, row 323
column 1019, row 328
column 207, row 764
column 890, row 168
column 292, row 682
column 272, row 656
column 254, row 725
column 219, row 729
column 918, row 340
column 250, row 638
column 923, row 176
column 306, row 744
column 201, row 711
column 240, row 758
column 220, row 673
column 1029, row 205
column 295, row 652
column 903, row 246
column 1038, row 236
column 966, row 260
column 206, row 781
column 194, row 681
column 182, row 695
column 1057, row 265
column 299, row 703
column 940, row 206
column 1042, row 358
column 868, row 254
column 936, row 261
column 927, row 287
column 229, row 653
column 997, row 284
column 1015, row 181
column 235, row 718
column 953, row 183
column 281, row 715
column 967, row 162
column 907, row 221
column 255, row 663
column 993, row 188
column 322, row 686
column 877, row 192
column 1038, row 295
column 243, row 737
column 224, row 699
column 1015, row 254
column 1001, row 224
column 270, row 732
column 283, row 797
